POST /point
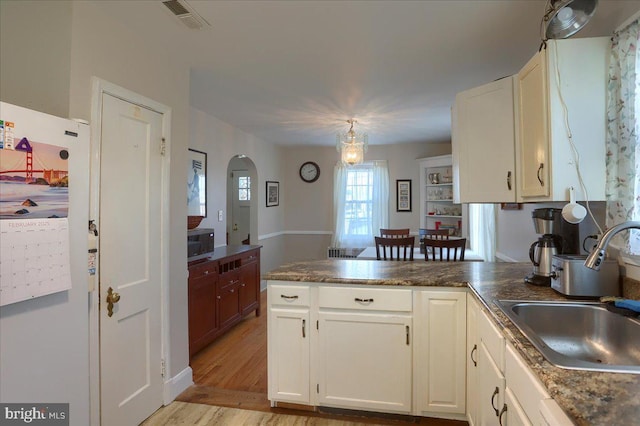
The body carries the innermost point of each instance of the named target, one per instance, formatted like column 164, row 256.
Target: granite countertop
column 588, row 397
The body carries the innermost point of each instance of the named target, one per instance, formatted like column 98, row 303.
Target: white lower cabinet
column 552, row 415
column 473, row 341
column 372, row 348
column 289, row 344
column 439, row 365
column 501, row 389
column 365, row 361
column 364, row 347
column 515, row 414
column 491, row 387
column 432, row 353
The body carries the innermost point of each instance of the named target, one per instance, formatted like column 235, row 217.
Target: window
column 244, row 188
column 358, row 202
column 361, row 203
column 482, row 230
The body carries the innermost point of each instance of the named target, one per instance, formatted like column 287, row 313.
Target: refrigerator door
column 45, row 338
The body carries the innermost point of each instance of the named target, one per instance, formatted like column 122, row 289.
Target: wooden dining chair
column 453, row 249
column 394, row 233
column 438, row 234
column 402, row 245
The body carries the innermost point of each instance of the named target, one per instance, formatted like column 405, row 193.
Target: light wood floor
column 232, row 373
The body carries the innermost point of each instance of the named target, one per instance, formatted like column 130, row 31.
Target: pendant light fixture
column 352, row 145
column 564, row 18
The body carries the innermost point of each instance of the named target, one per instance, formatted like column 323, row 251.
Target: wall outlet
column 220, row 216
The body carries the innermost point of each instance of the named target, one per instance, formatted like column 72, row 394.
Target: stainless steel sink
column 578, row 335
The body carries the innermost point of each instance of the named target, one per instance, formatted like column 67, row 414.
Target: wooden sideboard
column 223, row 288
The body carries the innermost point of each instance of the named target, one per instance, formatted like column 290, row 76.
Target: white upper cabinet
column 510, row 138
column 483, row 143
column 548, row 112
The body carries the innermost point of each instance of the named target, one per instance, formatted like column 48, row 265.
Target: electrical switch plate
column 220, row 216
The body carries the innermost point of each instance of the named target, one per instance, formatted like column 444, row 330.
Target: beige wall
column 50, row 52
column 102, row 46
column 222, row 142
column 308, row 219
column 36, row 55
column 515, row 231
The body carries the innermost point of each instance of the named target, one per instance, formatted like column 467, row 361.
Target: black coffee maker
column 558, row 237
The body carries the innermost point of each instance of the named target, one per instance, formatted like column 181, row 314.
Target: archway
column 242, row 201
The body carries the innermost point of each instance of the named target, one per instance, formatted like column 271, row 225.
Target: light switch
column 220, row 216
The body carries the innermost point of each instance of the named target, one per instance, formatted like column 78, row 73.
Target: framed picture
column 403, row 195
column 273, row 193
column 197, row 183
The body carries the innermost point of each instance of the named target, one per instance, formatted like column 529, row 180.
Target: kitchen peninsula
column 306, row 300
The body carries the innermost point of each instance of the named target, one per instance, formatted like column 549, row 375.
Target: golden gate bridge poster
column 34, row 181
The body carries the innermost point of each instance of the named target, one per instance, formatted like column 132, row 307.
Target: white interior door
column 241, row 206
column 130, row 255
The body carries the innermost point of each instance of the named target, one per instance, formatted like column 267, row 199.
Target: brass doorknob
column 112, row 297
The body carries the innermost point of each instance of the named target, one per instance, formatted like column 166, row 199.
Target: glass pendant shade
column 564, row 18
column 352, row 146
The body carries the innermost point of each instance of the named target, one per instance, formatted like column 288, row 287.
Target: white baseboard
column 177, row 384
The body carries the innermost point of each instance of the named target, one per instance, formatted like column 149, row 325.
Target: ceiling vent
column 186, row 14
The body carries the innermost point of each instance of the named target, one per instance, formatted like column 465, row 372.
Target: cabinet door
column 288, row 346
column 552, row 415
column 484, row 143
column 249, row 288
column 491, row 385
column 533, row 140
column 228, row 300
column 514, row 414
column 440, row 336
column 202, row 306
column 365, row 361
column 472, row 360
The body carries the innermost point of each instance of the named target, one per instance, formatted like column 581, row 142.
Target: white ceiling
column 292, row 72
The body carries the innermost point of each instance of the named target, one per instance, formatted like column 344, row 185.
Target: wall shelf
column 436, row 197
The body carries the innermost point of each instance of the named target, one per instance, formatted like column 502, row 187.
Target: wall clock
column 309, row 172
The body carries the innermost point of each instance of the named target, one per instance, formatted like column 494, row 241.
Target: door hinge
column 163, row 146
column 163, row 368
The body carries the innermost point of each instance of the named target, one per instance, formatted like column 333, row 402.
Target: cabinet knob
column 218, row 297
column 206, row 272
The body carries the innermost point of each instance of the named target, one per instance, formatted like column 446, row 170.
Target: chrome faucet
column 596, row 257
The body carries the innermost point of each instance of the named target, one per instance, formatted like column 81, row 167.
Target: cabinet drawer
column 492, row 338
column 364, row 298
column 524, row 385
column 249, row 257
column 290, row 295
column 203, row 269
column 228, row 279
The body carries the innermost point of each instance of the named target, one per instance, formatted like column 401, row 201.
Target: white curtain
column 623, row 128
column 482, row 230
column 357, row 228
